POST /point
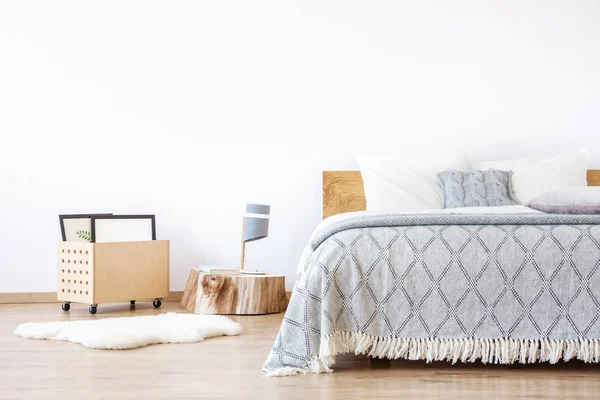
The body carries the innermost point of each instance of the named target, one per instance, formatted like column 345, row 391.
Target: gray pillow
column 489, row 188
column 576, row 200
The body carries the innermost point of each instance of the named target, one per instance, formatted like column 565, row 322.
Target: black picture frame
column 151, row 217
column 62, row 217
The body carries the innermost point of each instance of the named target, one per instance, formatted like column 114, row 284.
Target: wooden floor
column 230, row 367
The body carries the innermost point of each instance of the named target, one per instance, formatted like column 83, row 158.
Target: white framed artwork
column 122, row 228
column 76, row 227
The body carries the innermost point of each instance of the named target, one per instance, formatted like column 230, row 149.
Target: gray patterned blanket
column 498, row 288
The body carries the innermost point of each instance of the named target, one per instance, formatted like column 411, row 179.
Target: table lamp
column 255, row 226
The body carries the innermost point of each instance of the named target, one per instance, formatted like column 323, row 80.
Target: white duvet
column 462, row 210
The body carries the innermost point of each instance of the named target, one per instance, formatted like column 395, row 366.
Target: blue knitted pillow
column 487, row 188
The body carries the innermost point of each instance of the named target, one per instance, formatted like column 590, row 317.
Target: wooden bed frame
column 343, row 191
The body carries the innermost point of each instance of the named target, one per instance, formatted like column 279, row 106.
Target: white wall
column 188, row 109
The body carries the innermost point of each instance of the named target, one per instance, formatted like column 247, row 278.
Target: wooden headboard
column 343, row 191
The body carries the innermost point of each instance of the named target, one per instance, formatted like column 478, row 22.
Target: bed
column 504, row 286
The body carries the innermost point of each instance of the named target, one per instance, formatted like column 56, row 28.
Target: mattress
column 500, row 285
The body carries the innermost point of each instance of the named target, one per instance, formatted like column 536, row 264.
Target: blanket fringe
column 493, row 351
column 315, row 365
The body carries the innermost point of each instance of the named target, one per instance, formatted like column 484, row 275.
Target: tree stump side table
column 234, row 294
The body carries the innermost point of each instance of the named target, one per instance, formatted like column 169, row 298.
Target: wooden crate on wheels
column 94, row 273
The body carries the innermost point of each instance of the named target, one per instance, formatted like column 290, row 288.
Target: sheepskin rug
column 132, row 332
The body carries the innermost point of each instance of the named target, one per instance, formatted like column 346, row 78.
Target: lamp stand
column 243, row 255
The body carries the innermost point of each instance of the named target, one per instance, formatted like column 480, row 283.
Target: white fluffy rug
column 132, row 332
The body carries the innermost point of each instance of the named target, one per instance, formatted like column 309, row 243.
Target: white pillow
column 397, row 183
column 534, row 176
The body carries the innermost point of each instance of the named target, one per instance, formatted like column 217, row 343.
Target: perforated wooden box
column 95, row 273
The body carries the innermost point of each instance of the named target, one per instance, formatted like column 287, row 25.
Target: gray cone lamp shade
column 255, row 226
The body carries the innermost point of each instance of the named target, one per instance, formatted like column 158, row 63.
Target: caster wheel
column 66, row 306
column 132, row 302
column 157, row 303
column 93, row 309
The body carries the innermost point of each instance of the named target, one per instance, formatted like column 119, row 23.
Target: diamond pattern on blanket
column 445, row 282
